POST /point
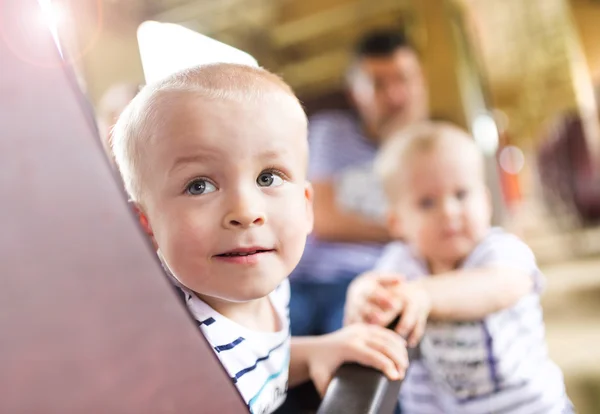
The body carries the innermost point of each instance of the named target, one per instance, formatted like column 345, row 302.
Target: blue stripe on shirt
column 231, row 345
column 284, row 368
column 490, row 357
column 206, row 322
column 244, row 371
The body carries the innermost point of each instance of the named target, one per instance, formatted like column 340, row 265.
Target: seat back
column 88, row 321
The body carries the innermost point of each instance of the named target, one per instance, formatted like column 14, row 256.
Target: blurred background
column 520, row 75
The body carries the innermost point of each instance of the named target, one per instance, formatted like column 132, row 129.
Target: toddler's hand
column 368, row 345
column 372, row 298
column 415, row 305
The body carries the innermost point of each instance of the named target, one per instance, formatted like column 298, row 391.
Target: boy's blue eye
column 269, row 179
column 199, row 186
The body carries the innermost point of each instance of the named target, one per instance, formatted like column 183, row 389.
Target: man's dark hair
column 381, row 43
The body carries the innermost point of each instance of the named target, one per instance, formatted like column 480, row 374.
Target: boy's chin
column 254, row 291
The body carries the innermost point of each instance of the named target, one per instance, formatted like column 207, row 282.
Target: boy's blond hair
column 219, row 81
column 395, row 154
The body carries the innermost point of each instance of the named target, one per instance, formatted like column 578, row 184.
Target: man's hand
column 368, row 345
column 371, row 298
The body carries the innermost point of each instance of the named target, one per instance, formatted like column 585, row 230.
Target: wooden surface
column 88, row 321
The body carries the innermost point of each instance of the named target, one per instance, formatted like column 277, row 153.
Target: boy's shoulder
column 497, row 248
column 499, row 235
column 504, row 249
column 500, row 247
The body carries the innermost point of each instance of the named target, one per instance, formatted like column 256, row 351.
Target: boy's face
column 225, row 193
column 444, row 208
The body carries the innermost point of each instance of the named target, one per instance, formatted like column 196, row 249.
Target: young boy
column 467, row 292
column 214, row 159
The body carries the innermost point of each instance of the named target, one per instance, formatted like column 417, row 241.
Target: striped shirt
column 340, row 153
column 257, row 362
column 496, row 365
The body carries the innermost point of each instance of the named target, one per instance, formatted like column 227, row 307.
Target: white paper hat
column 166, row 48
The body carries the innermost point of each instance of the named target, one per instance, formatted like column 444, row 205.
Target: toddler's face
column 225, row 193
column 444, row 209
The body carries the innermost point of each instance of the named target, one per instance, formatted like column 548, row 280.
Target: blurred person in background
column 388, row 90
column 570, row 179
column 112, row 103
column 467, row 293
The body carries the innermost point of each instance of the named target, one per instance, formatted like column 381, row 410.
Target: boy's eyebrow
column 273, row 153
column 190, row 159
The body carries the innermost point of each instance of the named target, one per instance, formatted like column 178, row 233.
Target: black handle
column 356, row 389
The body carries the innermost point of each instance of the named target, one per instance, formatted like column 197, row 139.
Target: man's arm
column 473, row 294
column 334, row 224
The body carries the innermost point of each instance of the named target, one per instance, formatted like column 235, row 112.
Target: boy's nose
column 244, row 220
column 244, row 212
column 450, row 208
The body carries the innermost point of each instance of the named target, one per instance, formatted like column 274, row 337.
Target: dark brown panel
column 88, row 322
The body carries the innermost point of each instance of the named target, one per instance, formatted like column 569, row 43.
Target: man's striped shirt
column 340, row 153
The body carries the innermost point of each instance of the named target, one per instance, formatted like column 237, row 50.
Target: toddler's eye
column 269, row 179
column 461, row 194
column 426, row 203
column 199, row 186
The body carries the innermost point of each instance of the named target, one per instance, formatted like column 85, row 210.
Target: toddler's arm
column 500, row 273
column 473, row 294
column 462, row 295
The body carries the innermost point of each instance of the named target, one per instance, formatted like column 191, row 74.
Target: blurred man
column 388, row 90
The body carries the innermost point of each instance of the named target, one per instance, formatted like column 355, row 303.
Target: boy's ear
column 145, row 223
column 143, row 219
column 394, row 224
column 310, row 215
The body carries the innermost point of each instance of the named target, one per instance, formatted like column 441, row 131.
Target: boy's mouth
column 245, row 252
column 244, row 256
